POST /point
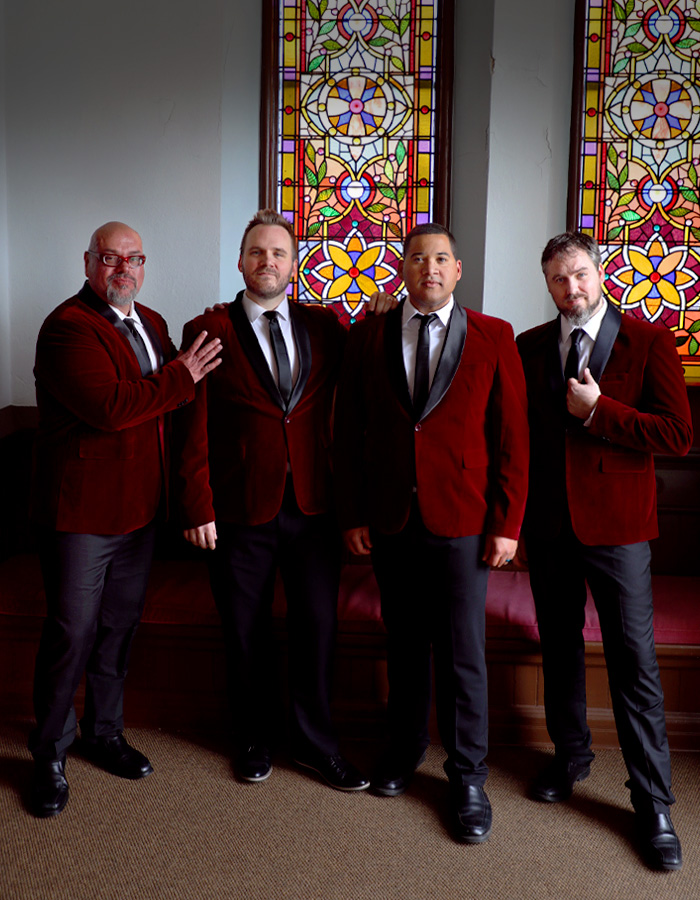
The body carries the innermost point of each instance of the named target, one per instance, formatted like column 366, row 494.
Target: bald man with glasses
column 107, row 375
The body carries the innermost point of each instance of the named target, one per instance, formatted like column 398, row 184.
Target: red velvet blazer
column 99, row 453
column 235, row 440
column 604, row 473
column 468, row 453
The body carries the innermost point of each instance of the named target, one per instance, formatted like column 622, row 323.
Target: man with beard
column 106, row 375
column 255, row 488
column 605, row 392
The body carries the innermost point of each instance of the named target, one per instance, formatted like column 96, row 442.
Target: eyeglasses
column 111, row 260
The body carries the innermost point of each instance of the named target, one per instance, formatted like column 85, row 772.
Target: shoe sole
column 347, row 790
column 543, row 798
column 396, row 792
column 136, row 776
column 257, row 778
column 384, row 792
column 50, row 813
column 480, row 839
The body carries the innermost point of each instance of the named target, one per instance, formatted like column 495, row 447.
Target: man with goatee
column 106, row 374
column 605, row 392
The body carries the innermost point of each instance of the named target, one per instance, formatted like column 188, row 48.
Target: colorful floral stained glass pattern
column 639, row 159
column 356, row 140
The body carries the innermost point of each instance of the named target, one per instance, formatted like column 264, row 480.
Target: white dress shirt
column 437, row 331
column 141, row 330
column 261, row 328
column 588, row 339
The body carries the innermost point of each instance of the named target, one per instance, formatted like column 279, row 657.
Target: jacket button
column 418, row 427
column 287, row 421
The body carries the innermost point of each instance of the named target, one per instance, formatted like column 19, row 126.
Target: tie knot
column 426, row 319
column 271, row 315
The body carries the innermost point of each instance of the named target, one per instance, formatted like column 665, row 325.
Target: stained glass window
column 638, row 159
column 356, row 163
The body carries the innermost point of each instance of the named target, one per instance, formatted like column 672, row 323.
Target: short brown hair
column 570, row 242
column 270, row 217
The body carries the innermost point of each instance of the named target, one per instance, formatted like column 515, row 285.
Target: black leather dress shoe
column 557, row 781
column 114, row 755
column 471, row 814
column 336, row 771
column 50, row 788
column 659, row 842
column 253, row 763
column 394, row 775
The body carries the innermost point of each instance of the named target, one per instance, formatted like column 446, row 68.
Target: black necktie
column 139, row 346
column 421, row 381
column 279, row 348
column 572, row 360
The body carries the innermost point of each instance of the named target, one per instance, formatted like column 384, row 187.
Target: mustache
column 121, row 277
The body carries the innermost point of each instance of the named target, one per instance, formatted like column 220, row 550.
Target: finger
column 197, row 342
column 208, row 352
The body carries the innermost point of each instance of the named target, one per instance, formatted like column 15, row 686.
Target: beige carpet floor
column 190, row 831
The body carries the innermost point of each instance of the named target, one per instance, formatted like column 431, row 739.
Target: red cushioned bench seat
column 177, row 670
column 179, row 594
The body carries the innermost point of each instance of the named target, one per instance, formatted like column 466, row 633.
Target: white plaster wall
column 528, row 153
column 157, row 123
column 240, row 137
column 5, row 340
column 116, row 113
column 470, row 143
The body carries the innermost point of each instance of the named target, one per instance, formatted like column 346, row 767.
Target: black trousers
column 620, row 582
column 433, row 594
column 242, row 569
column 95, row 591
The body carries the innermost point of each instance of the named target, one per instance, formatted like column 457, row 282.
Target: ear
column 295, row 269
column 86, row 258
column 459, row 269
column 240, row 266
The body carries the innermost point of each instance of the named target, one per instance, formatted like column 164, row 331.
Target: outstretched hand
column 200, row 357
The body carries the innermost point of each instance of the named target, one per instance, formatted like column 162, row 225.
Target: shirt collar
column 254, row 310
column 591, row 328
column 444, row 313
column 122, row 315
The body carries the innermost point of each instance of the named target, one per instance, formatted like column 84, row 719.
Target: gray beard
column 119, row 298
column 578, row 319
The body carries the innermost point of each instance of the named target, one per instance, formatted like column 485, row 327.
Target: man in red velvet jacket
column 106, row 375
column 255, row 487
column 431, row 465
column 597, row 414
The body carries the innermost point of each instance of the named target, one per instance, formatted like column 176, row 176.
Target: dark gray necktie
column 572, row 360
column 421, row 381
column 139, row 346
column 279, row 348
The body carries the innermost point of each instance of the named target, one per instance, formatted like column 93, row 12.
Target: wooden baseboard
column 177, row 680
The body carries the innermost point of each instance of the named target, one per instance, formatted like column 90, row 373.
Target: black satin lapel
column 252, row 349
column 154, row 339
column 303, row 344
column 393, row 346
column 90, row 298
column 450, row 358
column 607, row 335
